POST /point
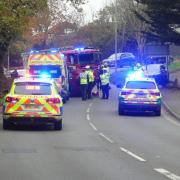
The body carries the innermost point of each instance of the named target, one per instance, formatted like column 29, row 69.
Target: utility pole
column 8, row 59
column 115, row 35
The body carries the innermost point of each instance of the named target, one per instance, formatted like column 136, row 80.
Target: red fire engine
column 76, row 60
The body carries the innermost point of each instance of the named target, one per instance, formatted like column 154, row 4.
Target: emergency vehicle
column 157, row 68
column 50, row 63
column 76, row 60
column 33, row 101
column 139, row 94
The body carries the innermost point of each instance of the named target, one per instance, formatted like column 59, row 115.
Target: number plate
column 31, row 106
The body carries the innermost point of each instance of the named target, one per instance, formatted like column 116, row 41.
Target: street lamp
column 115, row 35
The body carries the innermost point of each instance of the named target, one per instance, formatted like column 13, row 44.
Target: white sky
column 92, row 7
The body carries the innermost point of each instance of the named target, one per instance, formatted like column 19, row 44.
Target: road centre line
column 108, row 139
column 93, row 126
column 88, row 110
column 132, row 154
column 167, row 174
column 88, row 117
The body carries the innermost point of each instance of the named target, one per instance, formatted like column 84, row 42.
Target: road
column 95, row 144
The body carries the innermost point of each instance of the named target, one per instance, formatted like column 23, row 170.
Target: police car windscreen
column 140, row 85
column 32, row 88
column 53, row 70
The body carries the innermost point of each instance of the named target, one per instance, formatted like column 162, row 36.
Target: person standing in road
column 105, row 84
column 83, row 84
column 90, row 74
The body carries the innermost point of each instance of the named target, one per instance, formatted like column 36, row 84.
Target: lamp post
column 115, row 35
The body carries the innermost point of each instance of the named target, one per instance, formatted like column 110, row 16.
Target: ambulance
column 50, row 63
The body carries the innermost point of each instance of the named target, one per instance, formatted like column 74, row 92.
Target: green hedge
column 174, row 66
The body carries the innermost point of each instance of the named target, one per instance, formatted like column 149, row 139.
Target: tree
column 163, row 16
column 15, row 15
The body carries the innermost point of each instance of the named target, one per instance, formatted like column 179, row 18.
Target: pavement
column 171, row 95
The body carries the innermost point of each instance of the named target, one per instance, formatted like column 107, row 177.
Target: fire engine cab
column 76, row 60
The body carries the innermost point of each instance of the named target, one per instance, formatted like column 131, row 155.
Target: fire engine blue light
column 79, row 49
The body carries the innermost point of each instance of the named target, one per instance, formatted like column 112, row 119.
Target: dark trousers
column 98, row 83
column 105, row 91
column 89, row 89
column 84, row 91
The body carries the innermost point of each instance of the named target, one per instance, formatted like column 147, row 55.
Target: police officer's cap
column 87, row 67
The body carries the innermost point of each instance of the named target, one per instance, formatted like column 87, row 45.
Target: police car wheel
column 158, row 112
column 58, row 125
column 120, row 110
column 6, row 125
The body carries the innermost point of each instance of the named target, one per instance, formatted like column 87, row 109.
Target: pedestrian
column 83, row 84
column 89, row 71
column 105, row 84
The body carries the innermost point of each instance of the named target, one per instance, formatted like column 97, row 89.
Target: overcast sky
column 93, row 6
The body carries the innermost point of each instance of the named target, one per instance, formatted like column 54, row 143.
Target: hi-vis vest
column 91, row 76
column 83, row 78
column 104, row 78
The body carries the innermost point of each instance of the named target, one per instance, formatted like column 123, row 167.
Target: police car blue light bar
column 45, row 75
column 135, row 75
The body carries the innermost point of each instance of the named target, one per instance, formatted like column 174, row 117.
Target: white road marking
column 93, row 126
column 88, row 110
column 88, row 117
column 108, row 139
column 167, row 174
column 132, row 154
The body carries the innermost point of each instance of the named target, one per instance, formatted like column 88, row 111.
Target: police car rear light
column 125, row 93
column 53, row 100
column 155, row 94
column 11, row 99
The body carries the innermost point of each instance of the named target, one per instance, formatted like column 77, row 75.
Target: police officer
column 106, row 67
column 105, row 84
column 83, row 84
column 90, row 74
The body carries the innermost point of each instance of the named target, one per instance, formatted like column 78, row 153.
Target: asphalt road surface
column 95, row 144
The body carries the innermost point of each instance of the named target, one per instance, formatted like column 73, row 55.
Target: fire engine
column 76, row 60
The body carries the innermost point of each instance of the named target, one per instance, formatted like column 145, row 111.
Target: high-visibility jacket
column 104, row 78
column 90, row 76
column 107, row 69
column 83, row 78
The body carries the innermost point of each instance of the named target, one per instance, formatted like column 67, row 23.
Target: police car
column 32, row 101
column 139, row 94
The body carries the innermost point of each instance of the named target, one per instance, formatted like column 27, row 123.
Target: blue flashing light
column 33, row 51
column 54, row 50
column 45, row 75
column 79, row 49
column 135, row 75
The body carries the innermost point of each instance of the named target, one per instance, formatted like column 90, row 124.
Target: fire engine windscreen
column 32, row 88
column 88, row 58
column 140, row 85
column 53, row 70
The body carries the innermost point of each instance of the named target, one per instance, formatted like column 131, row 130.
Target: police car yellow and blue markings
column 13, row 104
column 141, row 96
